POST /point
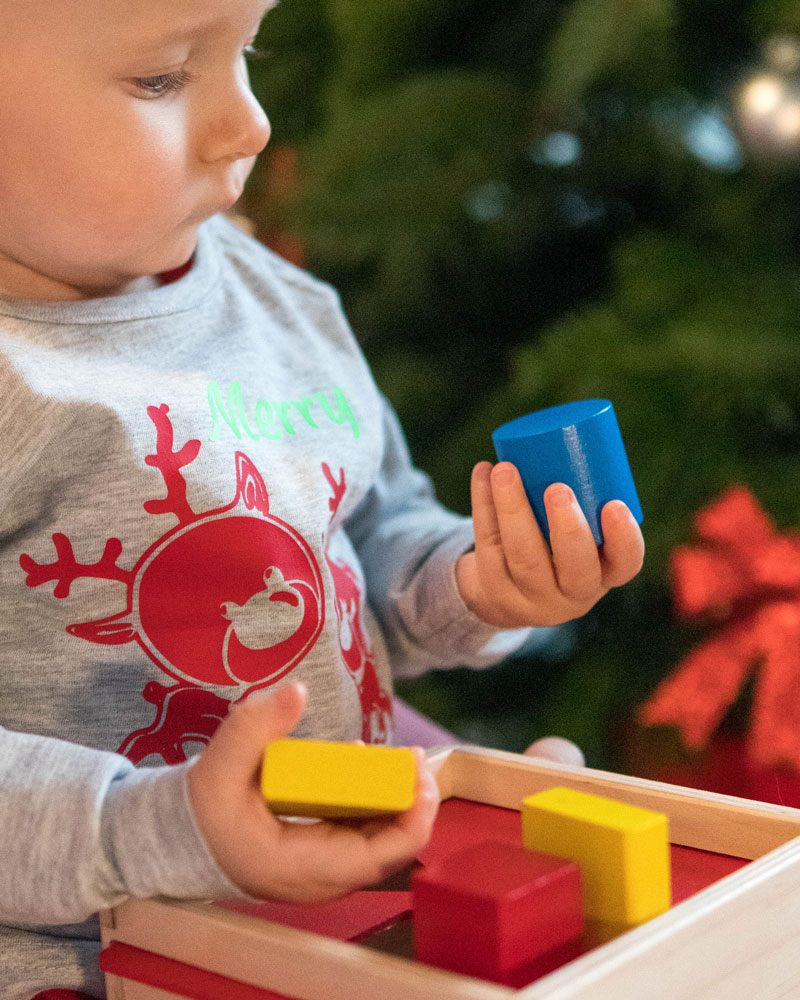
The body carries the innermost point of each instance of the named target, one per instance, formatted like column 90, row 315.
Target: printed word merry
column 272, row 419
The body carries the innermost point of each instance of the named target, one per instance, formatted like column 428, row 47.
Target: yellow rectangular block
column 343, row 780
column 622, row 851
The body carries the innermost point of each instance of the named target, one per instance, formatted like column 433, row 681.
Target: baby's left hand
column 511, row 579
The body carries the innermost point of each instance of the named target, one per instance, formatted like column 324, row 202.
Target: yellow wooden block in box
column 622, row 850
column 318, row 778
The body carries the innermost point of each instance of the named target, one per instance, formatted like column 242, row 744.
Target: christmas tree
column 546, row 200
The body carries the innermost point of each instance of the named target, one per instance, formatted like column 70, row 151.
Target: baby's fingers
column 575, row 556
column 488, row 543
column 340, row 856
column 525, row 551
column 623, row 548
column 416, row 823
column 488, row 577
column 398, row 842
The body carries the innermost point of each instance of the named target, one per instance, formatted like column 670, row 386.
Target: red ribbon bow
column 746, row 575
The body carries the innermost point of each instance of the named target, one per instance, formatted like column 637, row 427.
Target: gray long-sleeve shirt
column 202, row 494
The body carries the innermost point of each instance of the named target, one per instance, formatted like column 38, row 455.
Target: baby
column 211, row 534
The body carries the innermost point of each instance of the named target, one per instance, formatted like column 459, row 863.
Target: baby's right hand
column 300, row 862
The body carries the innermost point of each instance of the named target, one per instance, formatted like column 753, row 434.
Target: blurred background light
column 708, row 136
column 767, row 102
column 559, row 149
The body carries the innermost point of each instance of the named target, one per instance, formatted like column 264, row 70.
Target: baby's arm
column 408, row 545
column 82, row 829
column 303, row 862
column 513, row 579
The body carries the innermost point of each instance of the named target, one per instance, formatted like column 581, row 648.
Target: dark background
column 538, row 201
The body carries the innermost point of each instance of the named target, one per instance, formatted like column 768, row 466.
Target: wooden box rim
column 691, row 951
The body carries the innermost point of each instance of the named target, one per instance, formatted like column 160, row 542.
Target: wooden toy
column 736, row 937
column 622, row 850
column 578, row 444
column 493, row 907
column 322, row 779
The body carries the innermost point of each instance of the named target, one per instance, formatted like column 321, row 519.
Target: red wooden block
column 493, row 907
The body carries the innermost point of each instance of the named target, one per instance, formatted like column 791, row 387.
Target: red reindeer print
column 186, row 714
column 224, row 603
column 376, row 705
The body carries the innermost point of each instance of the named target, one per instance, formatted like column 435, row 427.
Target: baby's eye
column 164, row 83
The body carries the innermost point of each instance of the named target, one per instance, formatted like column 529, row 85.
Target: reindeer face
column 204, row 610
column 197, row 597
column 208, row 608
column 270, row 616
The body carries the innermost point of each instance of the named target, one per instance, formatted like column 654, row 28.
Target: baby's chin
column 135, row 269
column 175, row 252
column 162, row 265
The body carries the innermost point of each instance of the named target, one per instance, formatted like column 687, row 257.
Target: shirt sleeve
column 408, row 545
column 83, row 829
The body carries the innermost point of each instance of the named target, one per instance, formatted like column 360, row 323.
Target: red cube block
column 494, row 907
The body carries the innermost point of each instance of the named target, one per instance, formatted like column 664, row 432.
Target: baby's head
column 124, row 125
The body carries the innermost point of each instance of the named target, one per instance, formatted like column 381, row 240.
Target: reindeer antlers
column 169, row 463
column 338, row 486
column 66, row 569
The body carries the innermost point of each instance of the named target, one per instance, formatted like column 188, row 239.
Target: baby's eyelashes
column 168, row 83
column 164, row 83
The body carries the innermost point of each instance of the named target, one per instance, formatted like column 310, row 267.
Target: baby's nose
column 239, row 129
column 255, row 131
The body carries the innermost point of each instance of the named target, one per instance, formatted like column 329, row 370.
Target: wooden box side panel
column 115, row 988
column 720, row 823
column 128, row 990
column 285, row 960
column 736, row 939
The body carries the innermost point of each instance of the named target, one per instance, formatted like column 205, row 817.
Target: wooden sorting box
column 738, row 937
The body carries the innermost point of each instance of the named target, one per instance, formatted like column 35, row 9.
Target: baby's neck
column 17, row 282
column 20, row 282
column 42, row 289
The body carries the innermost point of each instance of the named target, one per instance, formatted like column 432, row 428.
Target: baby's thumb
column 238, row 744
